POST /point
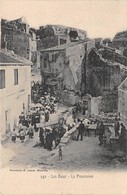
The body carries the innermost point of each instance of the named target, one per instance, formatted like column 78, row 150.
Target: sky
column 99, row 18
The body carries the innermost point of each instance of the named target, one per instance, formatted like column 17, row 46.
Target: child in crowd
column 31, row 131
column 22, row 135
column 60, row 153
column 13, row 136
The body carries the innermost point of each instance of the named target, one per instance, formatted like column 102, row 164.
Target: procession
column 38, row 122
column 63, row 97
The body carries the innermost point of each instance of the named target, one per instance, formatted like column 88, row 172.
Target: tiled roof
column 8, row 57
column 63, row 46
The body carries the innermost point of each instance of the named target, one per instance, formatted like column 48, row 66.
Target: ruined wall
column 102, row 79
column 102, row 74
column 75, row 56
column 109, row 101
column 16, row 41
column 68, row 80
column 112, row 55
column 122, row 101
column 47, row 42
column 120, row 43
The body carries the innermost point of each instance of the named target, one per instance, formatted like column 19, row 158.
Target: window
column 15, row 76
column 45, row 63
column 2, row 79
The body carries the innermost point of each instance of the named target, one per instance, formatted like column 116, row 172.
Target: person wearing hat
column 49, row 140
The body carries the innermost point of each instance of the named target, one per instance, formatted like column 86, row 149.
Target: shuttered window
column 2, row 79
column 15, row 76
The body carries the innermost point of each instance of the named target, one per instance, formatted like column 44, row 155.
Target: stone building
column 103, row 76
column 122, row 101
column 15, row 36
column 15, row 89
column 120, row 42
column 54, row 35
column 103, row 72
column 32, row 46
column 113, row 54
column 18, row 37
column 61, row 66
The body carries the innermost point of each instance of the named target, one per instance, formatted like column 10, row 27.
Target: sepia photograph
column 63, row 97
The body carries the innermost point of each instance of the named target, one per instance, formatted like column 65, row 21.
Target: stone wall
column 103, row 78
column 16, row 41
column 122, row 101
column 109, row 101
column 112, row 55
column 75, row 55
column 47, row 42
column 102, row 74
column 95, row 105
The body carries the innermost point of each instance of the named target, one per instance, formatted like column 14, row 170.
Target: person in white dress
column 42, row 118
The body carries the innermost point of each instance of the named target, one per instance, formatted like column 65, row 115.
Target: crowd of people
column 36, row 120
column 120, row 134
column 50, row 137
column 104, row 133
column 43, row 106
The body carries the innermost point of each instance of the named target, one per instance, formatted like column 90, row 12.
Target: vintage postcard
column 63, row 97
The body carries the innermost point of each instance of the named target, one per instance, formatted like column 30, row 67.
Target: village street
column 25, row 153
column 77, row 155
column 63, row 97
column 85, row 77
